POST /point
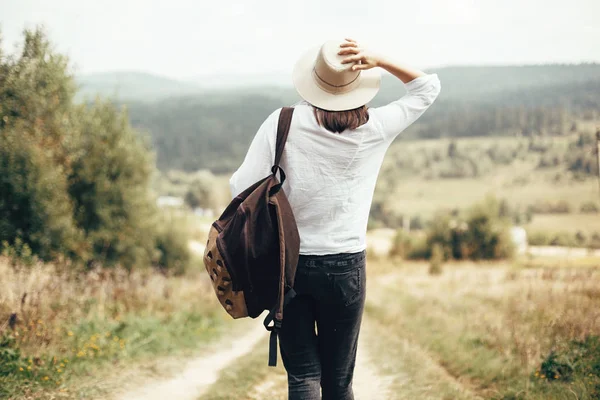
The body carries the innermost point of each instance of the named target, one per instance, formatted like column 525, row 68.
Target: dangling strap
column 274, row 329
column 283, row 128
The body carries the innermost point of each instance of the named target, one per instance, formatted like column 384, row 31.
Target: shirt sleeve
column 259, row 159
column 400, row 114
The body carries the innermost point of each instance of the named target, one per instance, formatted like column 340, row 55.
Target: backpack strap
column 283, row 129
column 274, row 329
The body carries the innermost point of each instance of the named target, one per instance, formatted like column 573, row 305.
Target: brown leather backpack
column 252, row 249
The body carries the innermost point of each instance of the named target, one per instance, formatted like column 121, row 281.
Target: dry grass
column 65, row 326
column 571, row 223
column 492, row 324
column 416, row 196
column 44, row 297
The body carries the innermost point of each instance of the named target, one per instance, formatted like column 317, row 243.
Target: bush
column 202, row 191
column 401, row 245
column 576, row 358
column 538, row 238
column 590, row 207
column 437, row 259
column 564, row 239
column 172, row 242
column 594, row 241
column 481, row 234
column 547, row 207
column 419, row 249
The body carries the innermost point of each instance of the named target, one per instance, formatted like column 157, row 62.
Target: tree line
column 74, row 178
column 213, row 130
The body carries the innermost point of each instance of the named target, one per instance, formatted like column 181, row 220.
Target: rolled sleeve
column 398, row 115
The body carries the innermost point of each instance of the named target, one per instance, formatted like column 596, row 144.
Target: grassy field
column 61, row 334
column 490, row 326
column 477, row 331
column 571, row 223
column 422, row 197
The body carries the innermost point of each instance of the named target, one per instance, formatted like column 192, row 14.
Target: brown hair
column 339, row 121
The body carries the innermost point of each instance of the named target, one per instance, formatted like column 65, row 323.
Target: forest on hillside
column 212, row 130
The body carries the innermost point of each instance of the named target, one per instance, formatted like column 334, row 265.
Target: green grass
column 95, row 344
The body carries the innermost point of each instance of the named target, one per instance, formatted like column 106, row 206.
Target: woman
column 332, row 158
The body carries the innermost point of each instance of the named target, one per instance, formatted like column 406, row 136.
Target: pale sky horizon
column 186, row 38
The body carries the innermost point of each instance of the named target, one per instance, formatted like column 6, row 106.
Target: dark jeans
column 331, row 294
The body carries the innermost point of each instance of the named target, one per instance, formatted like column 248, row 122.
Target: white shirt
column 331, row 176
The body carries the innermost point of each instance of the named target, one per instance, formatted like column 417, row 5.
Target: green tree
column 109, row 184
column 34, row 204
column 74, row 179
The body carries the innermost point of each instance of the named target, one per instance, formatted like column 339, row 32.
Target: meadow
column 503, row 332
column 62, row 334
column 497, row 330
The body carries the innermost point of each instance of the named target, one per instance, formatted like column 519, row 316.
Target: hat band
column 335, row 89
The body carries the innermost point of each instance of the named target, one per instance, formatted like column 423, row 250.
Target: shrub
column 594, row 241
column 172, row 244
column 481, row 234
column 547, row 207
column 437, row 259
column 202, row 191
column 419, row 249
column 19, row 253
column 564, row 239
column 590, row 207
column 416, row 223
column 575, row 358
column 538, row 238
column 488, row 235
column 401, row 245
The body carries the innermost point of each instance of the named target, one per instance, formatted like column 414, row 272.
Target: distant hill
column 491, row 81
column 196, row 125
column 128, row 86
column 133, row 86
column 462, row 83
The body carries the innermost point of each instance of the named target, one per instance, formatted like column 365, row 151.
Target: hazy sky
column 187, row 38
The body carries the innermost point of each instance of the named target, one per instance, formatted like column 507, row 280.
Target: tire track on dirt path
column 416, row 373
column 200, row 373
column 368, row 383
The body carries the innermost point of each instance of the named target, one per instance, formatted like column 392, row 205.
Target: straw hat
column 321, row 79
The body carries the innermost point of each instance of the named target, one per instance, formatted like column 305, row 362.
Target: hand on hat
column 362, row 58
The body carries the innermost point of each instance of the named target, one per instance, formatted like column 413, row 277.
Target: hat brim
column 307, row 88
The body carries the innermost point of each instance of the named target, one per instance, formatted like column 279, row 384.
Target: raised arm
column 366, row 59
column 422, row 89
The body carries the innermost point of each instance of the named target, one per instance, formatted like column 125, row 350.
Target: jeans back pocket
column 347, row 286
